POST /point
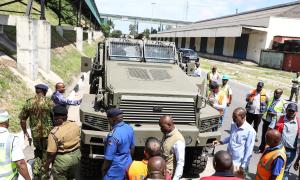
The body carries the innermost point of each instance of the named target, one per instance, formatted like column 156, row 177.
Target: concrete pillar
column 60, row 30
column 90, row 36
column 44, row 45
column 79, row 38
column 27, row 54
column 1, row 29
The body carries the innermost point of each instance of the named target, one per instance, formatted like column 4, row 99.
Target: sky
column 190, row 10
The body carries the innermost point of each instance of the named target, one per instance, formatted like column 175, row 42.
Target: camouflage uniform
column 39, row 111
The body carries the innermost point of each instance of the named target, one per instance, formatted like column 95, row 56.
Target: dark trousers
column 296, row 92
column 263, row 134
column 255, row 119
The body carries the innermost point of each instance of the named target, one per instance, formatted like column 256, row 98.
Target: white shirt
column 17, row 153
column 197, row 72
column 179, row 151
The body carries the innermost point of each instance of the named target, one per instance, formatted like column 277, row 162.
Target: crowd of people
column 57, row 139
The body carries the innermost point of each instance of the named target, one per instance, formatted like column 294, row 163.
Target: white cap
column 4, row 116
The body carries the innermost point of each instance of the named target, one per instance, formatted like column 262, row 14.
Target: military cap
column 60, row 110
column 292, row 106
column 41, row 86
column 214, row 85
column 113, row 112
column 4, row 116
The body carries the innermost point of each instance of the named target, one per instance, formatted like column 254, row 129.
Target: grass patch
column 66, row 63
column 89, row 49
column 13, row 95
column 70, row 35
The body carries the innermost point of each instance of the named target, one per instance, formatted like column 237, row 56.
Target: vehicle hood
column 148, row 78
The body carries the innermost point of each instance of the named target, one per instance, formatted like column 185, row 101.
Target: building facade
column 239, row 36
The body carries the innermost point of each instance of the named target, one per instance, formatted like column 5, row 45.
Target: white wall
column 281, row 26
column 197, row 43
column 228, row 46
column 256, row 43
column 210, row 45
column 187, row 42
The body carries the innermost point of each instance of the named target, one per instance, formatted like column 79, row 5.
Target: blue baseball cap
column 225, row 77
column 4, row 116
column 113, row 112
column 41, row 86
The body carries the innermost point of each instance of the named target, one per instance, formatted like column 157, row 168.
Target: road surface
column 239, row 93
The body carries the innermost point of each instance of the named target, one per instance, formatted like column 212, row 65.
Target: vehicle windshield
column 124, row 51
column 159, row 53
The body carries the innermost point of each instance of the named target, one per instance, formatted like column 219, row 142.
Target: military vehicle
column 143, row 79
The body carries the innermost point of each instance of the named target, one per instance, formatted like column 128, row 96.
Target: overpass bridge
column 136, row 19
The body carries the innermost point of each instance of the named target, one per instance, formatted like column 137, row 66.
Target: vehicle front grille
column 207, row 125
column 151, row 110
column 96, row 122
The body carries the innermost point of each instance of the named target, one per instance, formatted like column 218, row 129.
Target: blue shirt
column 278, row 163
column 117, row 149
column 59, row 99
column 240, row 143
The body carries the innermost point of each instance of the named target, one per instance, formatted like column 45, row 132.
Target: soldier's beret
column 60, row 110
column 113, row 112
column 41, row 86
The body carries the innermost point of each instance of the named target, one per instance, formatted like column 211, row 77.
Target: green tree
column 107, row 27
column 116, row 33
column 132, row 30
column 146, row 33
column 153, row 31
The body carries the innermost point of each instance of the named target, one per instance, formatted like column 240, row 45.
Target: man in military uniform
column 118, row 146
column 63, row 146
column 39, row 112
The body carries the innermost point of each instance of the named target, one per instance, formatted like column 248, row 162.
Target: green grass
column 89, row 49
column 66, row 64
column 10, row 32
column 10, row 88
column 70, row 36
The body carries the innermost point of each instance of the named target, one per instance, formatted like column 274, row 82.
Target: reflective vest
column 8, row 169
column 277, row 108
column 264, row 167
column 263, row 99
column 220, row 97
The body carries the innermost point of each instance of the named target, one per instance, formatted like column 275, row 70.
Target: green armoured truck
column 143, row 78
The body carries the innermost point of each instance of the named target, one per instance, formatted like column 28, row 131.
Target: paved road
column 239, row 94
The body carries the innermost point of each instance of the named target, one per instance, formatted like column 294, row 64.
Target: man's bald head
column 166, row 124
column 238, row 116
column 152, row 147
column 60, row 87
column 222, row 161
column 273, row 137
column 156, row 164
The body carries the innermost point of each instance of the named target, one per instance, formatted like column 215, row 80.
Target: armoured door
column 203, row 44
column 219, row 45
column 240, row 46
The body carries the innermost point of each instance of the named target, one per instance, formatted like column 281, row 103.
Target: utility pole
column 186, row 9
column 152, row 14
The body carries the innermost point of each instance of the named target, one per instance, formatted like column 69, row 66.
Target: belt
column 62, row 153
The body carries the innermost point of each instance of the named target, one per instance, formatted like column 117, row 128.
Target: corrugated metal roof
column 92, row 6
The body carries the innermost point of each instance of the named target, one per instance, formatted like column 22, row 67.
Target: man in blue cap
column 38, row 110
column 119, row 146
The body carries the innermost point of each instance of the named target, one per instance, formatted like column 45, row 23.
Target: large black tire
column 89, row 167
column 195, row 162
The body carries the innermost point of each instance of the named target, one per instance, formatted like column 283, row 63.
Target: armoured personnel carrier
column 143, row 79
